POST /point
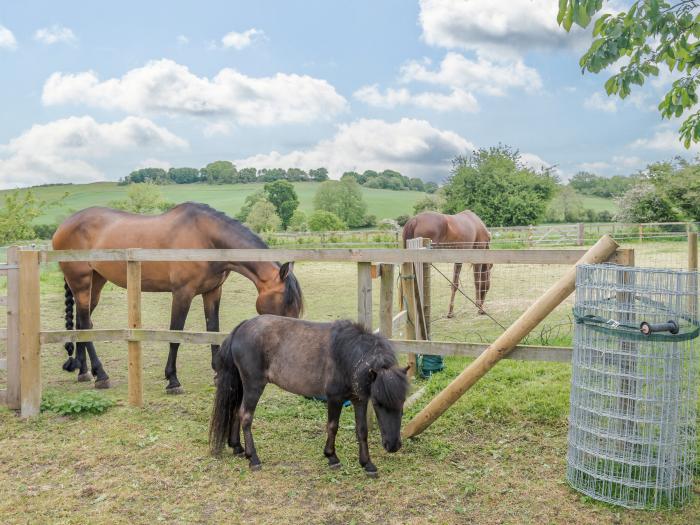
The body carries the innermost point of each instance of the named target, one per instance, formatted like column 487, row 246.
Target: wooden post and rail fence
column 25, row 337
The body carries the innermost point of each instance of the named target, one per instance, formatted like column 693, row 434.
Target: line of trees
column 225, row 172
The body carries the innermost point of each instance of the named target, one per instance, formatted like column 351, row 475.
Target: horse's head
column 281, row 296
column 388, row 393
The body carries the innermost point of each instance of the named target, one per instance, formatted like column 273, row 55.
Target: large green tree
column 283, row 197
column 344, row 199
column 648, row 35
column 143, row 198
column 220, row 172
column 680, row 183
column 495, row 185
column 263, row 218
column 16, row 216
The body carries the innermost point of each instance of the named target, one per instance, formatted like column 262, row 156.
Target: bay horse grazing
column 341, row 360
column 462, row 230
column 187, row 225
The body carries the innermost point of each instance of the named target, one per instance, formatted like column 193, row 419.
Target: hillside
column 226, row 197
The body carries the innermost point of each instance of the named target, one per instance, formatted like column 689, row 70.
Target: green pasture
column 497, row 456
column 225, row 197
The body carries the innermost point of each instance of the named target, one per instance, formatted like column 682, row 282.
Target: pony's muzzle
column 392, row 447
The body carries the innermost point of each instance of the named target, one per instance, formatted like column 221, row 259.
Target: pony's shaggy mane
column 358, row 352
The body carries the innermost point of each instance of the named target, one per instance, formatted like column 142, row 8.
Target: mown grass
column 224, row 197
column 498, row 456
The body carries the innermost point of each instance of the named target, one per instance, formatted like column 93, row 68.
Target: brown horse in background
column 462, row 230
column 187, row 226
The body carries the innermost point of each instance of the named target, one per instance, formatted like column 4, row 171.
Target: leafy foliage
column 322, row 220
column 427, row 203
column 17, row 213
column 590, row 184
column 402, row 219
column 84, row 403
column 344, row 199
column 644, row 203
column 143, row 198
column 680, row 183
column 263, row 217
column 566, row 206
column 298, row 222
column 283, row 197
column 495, row 185
column 248, row 204
column 650, row 34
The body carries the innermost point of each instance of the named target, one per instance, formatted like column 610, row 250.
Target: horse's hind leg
column 455, row 286
column 335, row 406
column 251, row 396
column 482, row 283
column 101, row 377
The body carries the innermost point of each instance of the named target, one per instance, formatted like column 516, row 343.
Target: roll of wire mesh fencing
column 634, row 388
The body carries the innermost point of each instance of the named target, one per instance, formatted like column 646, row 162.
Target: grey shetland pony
column 340, row 360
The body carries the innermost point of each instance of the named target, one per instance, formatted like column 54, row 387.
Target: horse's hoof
column 450, row 316
column 174, row 390
column 482, row 312
column 372, row 473
column 84, row 378
column 334, row 466
column 240, row 454
column 256, row 467
column 103, row 383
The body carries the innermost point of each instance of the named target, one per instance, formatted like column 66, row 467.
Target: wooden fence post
column 133, row 298
column 12, row 342
column 581, row 234
column 386, row 298
column 505, row 343
column 364, row 294
column 426, row 292
column 29, row 326
column 641, row 232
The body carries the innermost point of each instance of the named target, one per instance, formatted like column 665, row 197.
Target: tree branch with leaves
column 650, row 34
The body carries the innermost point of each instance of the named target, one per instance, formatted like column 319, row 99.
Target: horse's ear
column 372, row 375
column 286, row 269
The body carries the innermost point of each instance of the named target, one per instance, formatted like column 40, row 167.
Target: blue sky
column 94, row 90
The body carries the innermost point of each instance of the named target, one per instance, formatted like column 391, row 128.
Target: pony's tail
column 71, row 364
column 409, row 229
column 228, row 397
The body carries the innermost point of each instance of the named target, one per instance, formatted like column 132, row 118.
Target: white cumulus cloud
column 457, row 100
column 413, row 147
column 495, row 27
column 667, row 140
column 601, row 103
column 480, row 75
column 54, row 35
column 7, row 39
column 166, row 87
column 70, row 149
column 241, row 40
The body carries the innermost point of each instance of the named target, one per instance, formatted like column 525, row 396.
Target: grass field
column 598, row 204
column 498, row 456
column 226, row 197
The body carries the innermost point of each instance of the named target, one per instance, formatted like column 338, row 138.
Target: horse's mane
column 357, row 352
column 292, row 290
column 241, row 229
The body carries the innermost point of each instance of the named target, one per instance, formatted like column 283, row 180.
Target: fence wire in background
column 632, row 426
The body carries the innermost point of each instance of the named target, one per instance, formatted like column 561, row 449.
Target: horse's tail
column 409, row 229
column 228, row 397
column 71, row 364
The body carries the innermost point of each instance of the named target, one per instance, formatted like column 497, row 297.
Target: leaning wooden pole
column 598, row 253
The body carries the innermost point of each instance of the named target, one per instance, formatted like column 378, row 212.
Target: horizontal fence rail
column 395, row 256
column 522, row 352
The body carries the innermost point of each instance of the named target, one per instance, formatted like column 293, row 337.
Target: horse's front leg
column 361, row 431
column 335, row 406
column 178, row 315
column 212, row 300
column 84, row 322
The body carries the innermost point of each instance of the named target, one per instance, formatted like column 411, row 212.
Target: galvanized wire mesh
column 632, row 425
